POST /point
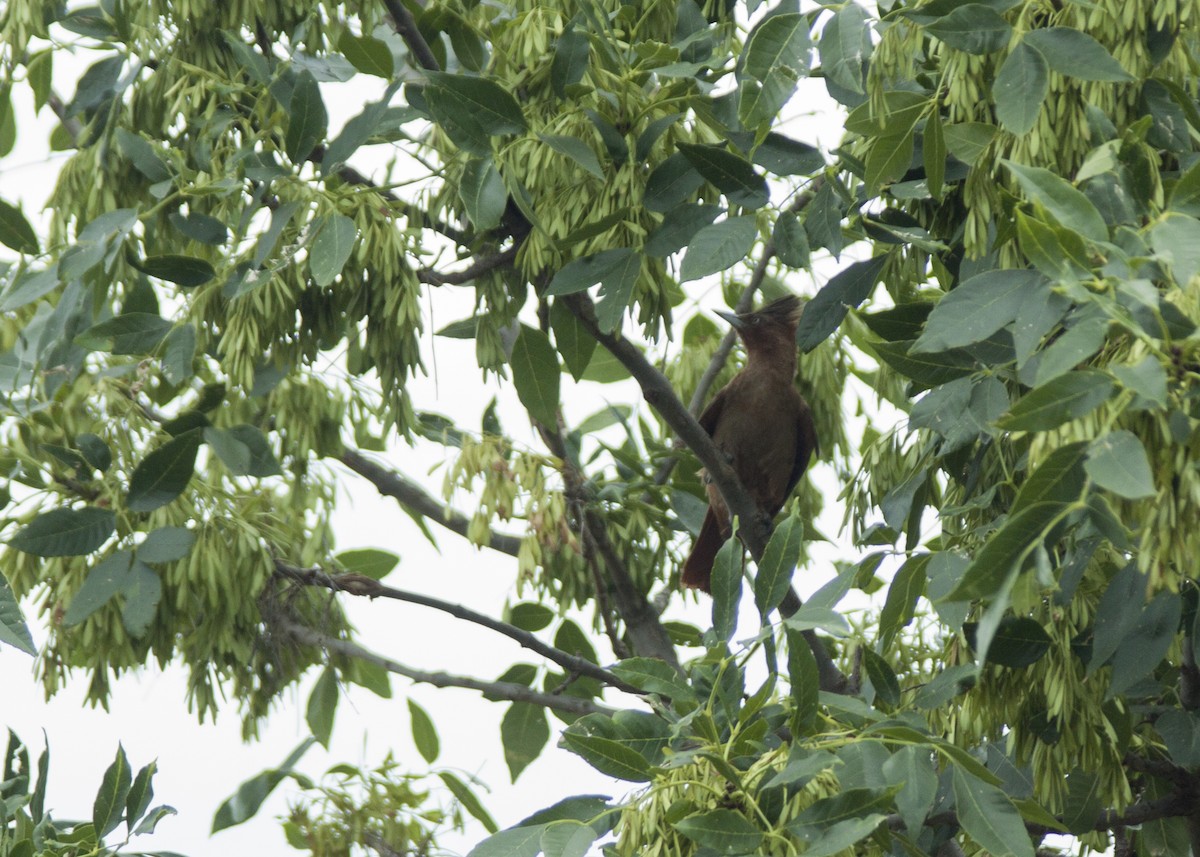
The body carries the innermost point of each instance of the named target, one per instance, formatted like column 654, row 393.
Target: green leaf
column 28, row 287
column 307, row 120
column 968, row 140
column 1018, row 642
column 846, row 289
column 989, row 817
column 568, row 838
column 131, row 333
column 1065, row 398
column 331, row 248
column 1117, row 461
column 791, row 241
column 481, row 102
column 574, row 343
column 1020, row 88
column 110, row 800
column 580, row 274
column 94, row 450
column 654, row 676
column 889, row 159
column 15, row 231
column 672, row 182
column 778, row 563
column 514, row 842
column 1073, row 53
column 13, row 629
column 730, row 173
column 370, row 562
column 178, row 353
column 616, row 291
column 163, row 474
column 251, row 794
column 1084, row 802
column 536, row 374
column 367, row 54
column 1058, row 479
column 977, row 308
column 718, row 247
column 166, row 544
column 993, row 562
column 140, row 795
column 1117, row 614
column 424, row 732
column 482, row 193
column 469, row 801
column 774, row 59
column 912, row 769
column 883, row 678
column 726, row 586
column 145, row 158
column 571, row 55
column 930, row 370
column 723, row 830
column 185, row 271
column 805, row 681
column 843, row 47
column 836, row 838
column 530, row 616
column 900, row 607
column 322, row 706
column 575, row 149
column 1147, row 644
column 934, row 154
column 143, row 592
column 973, row 28
column 524, row 731
column 1064, row 202
column 65, row 532
column 608, row 757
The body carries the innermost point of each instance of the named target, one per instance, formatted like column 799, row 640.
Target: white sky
column 199, row 766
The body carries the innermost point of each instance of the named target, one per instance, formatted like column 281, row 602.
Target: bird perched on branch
column 762, row 424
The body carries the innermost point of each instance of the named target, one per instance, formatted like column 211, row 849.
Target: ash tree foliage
column 1011, row 223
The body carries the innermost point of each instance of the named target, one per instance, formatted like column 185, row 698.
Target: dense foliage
column 1012, row 216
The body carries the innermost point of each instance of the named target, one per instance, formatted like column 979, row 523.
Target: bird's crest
column 785, row 310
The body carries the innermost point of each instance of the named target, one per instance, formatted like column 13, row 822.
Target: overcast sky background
column 200, row 765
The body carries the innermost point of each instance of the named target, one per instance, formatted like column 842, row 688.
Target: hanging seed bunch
column 1140, row 36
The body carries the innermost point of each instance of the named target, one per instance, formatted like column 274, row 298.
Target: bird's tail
column 697, row 568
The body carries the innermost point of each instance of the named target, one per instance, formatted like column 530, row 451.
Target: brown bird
column 762, row 424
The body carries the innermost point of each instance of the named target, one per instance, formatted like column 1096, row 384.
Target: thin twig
column 500, row 689
column 415, row 499
column 481, row 266
column 361, row 585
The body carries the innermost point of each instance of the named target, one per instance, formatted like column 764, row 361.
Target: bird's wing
column 806, row 444
column 712, row 414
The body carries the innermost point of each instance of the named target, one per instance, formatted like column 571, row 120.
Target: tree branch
column 415, row 499
column 754, row 529
column 406, row 26
column 361, row 585
column 481, row 266
column 646, row 633
column 501, row 689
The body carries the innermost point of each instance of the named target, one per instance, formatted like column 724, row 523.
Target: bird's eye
column 755, row 319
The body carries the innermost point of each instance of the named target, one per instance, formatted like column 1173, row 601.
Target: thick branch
column 646, row 632
column 415, row 499
column 357, row 584
column 406, row 26
column 500, row 689
column 754, row 528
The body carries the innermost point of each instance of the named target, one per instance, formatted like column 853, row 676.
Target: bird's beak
column 735, row 320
